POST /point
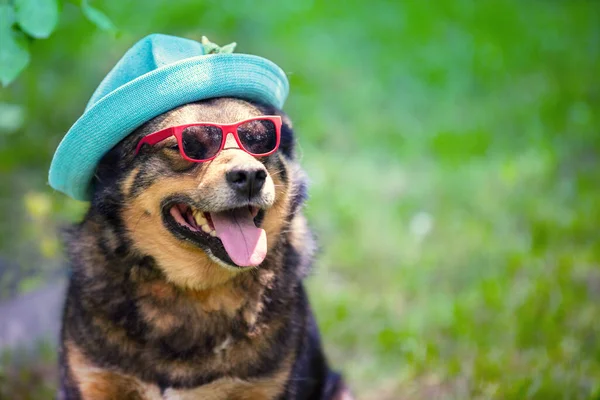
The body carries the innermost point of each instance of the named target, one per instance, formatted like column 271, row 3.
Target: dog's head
column 201, row 222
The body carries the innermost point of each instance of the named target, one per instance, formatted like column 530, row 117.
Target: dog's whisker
column 275, row 173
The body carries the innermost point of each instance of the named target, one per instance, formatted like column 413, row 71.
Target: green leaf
column 228, row 48
column 97, row 17
column 14, row 49
column 212, row 48
column 37, row 18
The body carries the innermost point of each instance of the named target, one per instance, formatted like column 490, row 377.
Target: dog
column 156, row 307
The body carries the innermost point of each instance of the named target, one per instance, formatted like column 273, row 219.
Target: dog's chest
column 98, row 383
column 222, row 389
column 228, row 389
column 269, row 387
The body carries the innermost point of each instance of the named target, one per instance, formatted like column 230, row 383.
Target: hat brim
column 123, row 110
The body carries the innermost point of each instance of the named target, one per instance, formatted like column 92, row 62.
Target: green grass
column 500, row 293
column 453, row 153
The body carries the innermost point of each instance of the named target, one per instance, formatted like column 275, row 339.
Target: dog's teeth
column 199, row 217
column 213, row 233
column 206, row 228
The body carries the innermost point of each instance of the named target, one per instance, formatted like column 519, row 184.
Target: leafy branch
column 22, row 21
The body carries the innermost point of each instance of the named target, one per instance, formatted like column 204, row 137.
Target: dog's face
column 202, row 222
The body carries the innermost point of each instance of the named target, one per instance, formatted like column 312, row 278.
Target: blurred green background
column 453, row 150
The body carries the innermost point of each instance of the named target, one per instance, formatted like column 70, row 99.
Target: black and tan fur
column 149, row 315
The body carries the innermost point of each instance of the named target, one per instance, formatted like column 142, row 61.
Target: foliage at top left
column 23, row 21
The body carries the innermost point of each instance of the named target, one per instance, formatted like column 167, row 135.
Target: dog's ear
column 108, row 172
column 113, row 166
column 109, row 166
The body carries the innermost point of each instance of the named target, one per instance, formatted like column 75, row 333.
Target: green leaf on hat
column 14, row 49
column 97, row 17
column 212, row 48
column 228, row 48
column 37, row 18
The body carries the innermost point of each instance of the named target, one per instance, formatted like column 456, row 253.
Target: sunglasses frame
column 177, row 131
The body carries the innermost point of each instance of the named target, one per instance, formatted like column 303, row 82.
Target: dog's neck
column 101, row 258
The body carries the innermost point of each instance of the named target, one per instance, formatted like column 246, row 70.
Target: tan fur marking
column 230, row 298
column 128, row 182
column 160, row 291
column 226, row 298
column 236, row 389
column 100, row 384
column 156, row 317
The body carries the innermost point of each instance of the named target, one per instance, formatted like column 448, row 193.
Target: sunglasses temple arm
column 156, row 137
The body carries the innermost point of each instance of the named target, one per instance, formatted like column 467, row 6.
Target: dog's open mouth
column 234, row 236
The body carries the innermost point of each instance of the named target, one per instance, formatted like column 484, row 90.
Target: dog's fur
column 151, row 315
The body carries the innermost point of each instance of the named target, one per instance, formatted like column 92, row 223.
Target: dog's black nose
column 247, row 182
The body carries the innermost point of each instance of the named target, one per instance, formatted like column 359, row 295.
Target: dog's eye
column 173, row 146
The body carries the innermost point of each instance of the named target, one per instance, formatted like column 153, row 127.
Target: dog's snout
column 247, row 182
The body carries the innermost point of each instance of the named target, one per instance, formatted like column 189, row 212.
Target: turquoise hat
column 157, row 74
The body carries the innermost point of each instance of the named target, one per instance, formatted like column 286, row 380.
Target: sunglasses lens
column 201, row 142
column 258, row 136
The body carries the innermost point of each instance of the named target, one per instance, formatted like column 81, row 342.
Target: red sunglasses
column 202, row 141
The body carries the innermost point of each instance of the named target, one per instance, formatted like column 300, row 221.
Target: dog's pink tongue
column 244, row 242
